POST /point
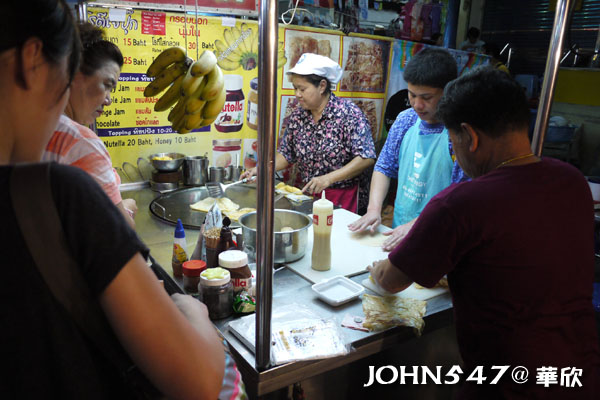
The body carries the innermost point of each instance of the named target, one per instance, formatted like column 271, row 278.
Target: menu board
column 130, row 128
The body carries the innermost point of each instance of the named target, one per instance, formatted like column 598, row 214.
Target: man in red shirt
column 516, row 243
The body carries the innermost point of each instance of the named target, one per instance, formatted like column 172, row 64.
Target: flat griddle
column 174, row 205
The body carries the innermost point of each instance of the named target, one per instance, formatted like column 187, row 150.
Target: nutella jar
column 252, row 115
column 226, row 152
column 236, row 262
column 231, row 118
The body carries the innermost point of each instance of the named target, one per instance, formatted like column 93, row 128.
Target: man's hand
column 388, row 277
column 317, row 184
column 371, row 220
column 396, row 235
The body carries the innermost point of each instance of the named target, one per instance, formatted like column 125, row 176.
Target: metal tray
column 176, row 204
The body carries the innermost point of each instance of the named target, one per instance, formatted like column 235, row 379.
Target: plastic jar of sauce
column 216, row 292
column 236, row 262
column 226, row 152
column 191, row 275
column 231, row 118
column 252, row 114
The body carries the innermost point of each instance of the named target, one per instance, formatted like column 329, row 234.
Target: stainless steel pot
column 290, row 245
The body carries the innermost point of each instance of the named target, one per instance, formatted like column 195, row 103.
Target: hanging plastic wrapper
column 212, row 234
column 297, row 333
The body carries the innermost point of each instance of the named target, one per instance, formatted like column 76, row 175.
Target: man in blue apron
column 417, row 152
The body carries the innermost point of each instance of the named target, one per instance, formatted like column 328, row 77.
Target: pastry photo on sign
column 299, row 42
column 372, row 108
column 365, row 65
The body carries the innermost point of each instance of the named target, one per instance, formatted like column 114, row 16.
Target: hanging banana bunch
column 196, row 92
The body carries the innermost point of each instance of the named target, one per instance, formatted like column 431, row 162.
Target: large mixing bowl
column 291, row 234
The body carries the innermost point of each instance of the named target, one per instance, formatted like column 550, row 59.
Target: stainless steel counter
column 288, row 289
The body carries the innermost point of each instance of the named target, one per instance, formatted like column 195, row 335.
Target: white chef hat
column 310, row 63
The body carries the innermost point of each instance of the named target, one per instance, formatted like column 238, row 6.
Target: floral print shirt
column 318, row 148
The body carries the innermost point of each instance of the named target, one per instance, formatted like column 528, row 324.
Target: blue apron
column 424, row 170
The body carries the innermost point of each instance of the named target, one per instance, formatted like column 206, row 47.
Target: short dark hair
column 96, row 50
column 48, row 20
column 473, row 32
column 315, row 80
column 433, row 67
column 487, row 99
column 492, row 49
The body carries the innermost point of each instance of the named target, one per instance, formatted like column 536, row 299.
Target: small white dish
column 337, row 290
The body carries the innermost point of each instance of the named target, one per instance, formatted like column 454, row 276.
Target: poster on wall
column 298, row 42
column 130, row 128
column 365, row 63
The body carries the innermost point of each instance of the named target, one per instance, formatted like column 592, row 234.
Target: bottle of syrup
column 322, row 225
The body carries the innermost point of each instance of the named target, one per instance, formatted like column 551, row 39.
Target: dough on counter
column 235, row 215
column 368, row 239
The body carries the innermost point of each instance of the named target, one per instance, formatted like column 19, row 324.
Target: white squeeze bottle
column 322, row 224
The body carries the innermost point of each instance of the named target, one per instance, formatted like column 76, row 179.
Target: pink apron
column 346, row 198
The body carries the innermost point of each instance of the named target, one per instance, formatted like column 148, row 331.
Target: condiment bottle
column 236, row 262
column 226, row 238
column 322, row 224
column 216, row 292
column 191, row 275
column 179, row 250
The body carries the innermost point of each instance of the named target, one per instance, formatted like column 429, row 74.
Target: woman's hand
column 248, row 173
column 317, row 184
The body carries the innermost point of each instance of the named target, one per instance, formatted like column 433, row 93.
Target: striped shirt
column 76, row 145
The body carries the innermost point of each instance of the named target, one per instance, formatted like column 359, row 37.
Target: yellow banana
column 164, row 79
column 213, row 108
column 194, row 104
column 178, row 110
column 230, row 39
column 237, row 34
column 190, row 83
column 208, row 121
column 248, row 35
column 255, row 43
column 164, row 59
column 170, row 97
column 223, row 52
column 193, row 121
column 214, row 84
column 228, row 65
column 204, row 64
column 179, row 123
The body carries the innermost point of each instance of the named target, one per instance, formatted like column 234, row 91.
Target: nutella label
column 241, row 278
column 240, row 284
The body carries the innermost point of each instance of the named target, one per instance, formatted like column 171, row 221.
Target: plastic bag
column 297, row 333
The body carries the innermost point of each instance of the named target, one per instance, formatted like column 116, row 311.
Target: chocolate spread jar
column 236, row 262
column 231, row 118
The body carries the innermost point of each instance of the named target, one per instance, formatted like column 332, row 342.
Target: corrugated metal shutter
column 527, row 25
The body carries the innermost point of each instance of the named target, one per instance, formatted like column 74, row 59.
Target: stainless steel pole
column 563, row 8
column 267, row 107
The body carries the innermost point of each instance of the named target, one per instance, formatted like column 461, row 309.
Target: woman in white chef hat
column 327, row 137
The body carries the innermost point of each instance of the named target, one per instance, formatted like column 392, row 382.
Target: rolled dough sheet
column 367, row 239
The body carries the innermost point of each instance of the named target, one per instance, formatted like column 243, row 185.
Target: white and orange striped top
column 76, row 145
